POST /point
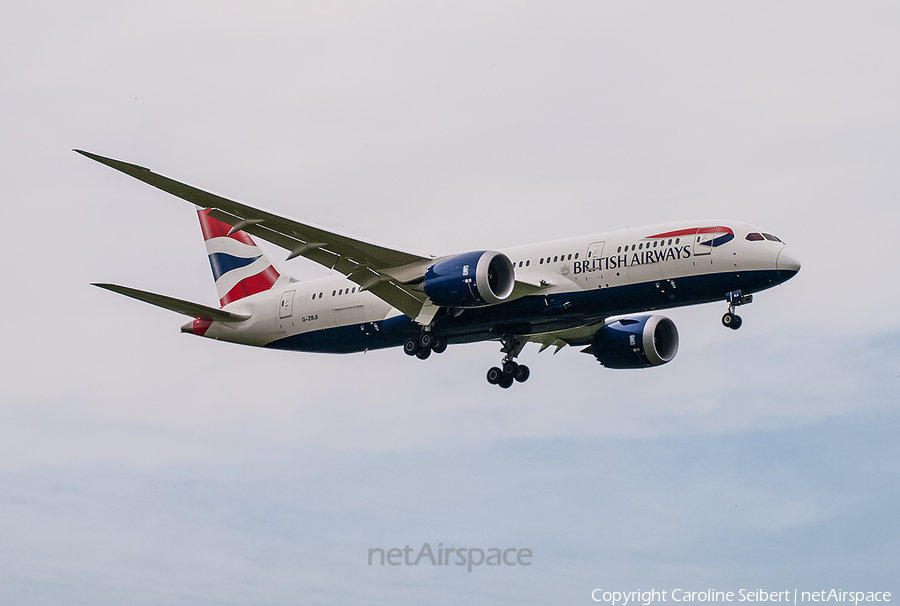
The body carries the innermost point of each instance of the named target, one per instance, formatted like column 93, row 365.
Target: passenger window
column 555, row 259
column 677, row 240
column 314, row 296
column 641, row 246
column 670, row 241
column 754, row 237
column 542, row 260
column 333, row 293
column 570, row 256
column 655, row 242
column 576, row 255
column 528, row 262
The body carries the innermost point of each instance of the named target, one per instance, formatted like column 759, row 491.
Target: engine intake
column 637, row 342
column 470, row 279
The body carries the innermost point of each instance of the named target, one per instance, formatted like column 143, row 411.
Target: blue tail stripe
column 222, row 263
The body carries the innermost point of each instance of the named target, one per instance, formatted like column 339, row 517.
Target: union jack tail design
column 239, row 266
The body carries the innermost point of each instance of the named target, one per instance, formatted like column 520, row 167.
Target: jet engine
column 470, row 279
column 637, row 342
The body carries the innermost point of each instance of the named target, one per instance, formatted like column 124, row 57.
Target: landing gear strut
column 423, row 345
column 730, row 319
column 509, row 371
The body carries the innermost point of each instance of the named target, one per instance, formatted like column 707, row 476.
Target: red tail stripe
column 251, row 285
column 213, row 228
column 200, row 326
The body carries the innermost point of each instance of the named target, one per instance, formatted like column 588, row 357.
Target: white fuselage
column 662, row 256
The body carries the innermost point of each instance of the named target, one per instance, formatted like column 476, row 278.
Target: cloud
column 778, row 507
column 136, row 461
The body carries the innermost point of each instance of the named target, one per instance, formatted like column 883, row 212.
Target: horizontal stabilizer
column 195, row 310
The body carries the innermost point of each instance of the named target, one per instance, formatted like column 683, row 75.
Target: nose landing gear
column 509, row 371
column 730, row 319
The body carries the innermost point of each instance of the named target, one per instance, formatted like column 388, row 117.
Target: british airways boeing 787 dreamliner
column 592, row 291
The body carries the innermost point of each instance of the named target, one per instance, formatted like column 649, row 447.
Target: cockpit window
column 754, row 237
column 771, row 237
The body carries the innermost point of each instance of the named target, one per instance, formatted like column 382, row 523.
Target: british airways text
column 637, row 258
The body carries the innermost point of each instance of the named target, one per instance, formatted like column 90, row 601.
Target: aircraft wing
column 386, row 273
column 177, row 305
column 582, row 335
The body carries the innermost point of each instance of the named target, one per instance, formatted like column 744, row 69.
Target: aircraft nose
column 787, row 263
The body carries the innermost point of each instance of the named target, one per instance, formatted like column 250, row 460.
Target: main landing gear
column 509, row 371
column 423, row 345
column 730, row 319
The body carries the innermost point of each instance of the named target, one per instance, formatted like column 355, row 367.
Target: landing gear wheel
column 411, row 347
column 439, row 346
column 494, row 375
column 510, row 368
column 506, row 382
column 426, row 340
column 423, row 354
column 732, row 321
column 522, row 373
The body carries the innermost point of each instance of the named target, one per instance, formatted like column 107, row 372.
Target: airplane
column 593, row 292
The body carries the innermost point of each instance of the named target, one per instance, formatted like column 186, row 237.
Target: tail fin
column 240, row 268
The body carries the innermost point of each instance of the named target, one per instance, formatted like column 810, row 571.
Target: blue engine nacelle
column 636, row 342
column 470, row 279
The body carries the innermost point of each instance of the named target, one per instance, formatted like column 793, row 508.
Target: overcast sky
column 142, row 466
